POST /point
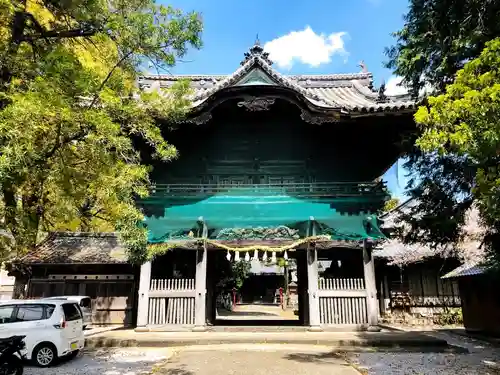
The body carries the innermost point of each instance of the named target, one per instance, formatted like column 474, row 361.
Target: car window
column 6, row 314
column 71, row 311
column 28, row 313
column 86, row 303
column 49, row 310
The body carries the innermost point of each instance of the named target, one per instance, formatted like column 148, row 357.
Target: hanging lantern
column 285, row 255
column 255, row 255
column 273, row 257
column 264, row 257
column 247, row 257
column 228, row 256
column 237, row 256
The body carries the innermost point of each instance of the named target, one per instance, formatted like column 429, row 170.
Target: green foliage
column 71, row 113
column 438, row 37
column 465, row 122
column 391, row 204
column 451, row 316
column 240, row 271
column 231, row 274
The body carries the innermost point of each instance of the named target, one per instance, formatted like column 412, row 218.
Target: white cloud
column 393, row 86
column 306, row 47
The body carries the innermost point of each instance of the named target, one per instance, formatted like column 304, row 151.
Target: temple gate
column 271, row 166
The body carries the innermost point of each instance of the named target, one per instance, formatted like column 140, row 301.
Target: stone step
column 348, row 341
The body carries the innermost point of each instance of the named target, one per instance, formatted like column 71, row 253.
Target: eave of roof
column 76, row 248
column 468, row 269
column 350, row 93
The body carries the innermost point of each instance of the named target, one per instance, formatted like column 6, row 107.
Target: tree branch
column 103, row 83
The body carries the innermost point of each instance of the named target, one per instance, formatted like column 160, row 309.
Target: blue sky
column 304, row 37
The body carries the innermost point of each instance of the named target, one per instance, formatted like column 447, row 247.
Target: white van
column 85, row 304
column 53, row 328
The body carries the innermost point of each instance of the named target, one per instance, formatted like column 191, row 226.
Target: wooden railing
column 328, row 189
column 341, row 284
column 342, row 302
column 172, row 302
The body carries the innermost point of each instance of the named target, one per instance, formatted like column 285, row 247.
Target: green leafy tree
column 438, row 38
column 465, row 122
column 71, row 116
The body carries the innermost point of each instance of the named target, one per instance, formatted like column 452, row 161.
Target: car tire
column 44, row 355
column 73, row 354
column 12, row 365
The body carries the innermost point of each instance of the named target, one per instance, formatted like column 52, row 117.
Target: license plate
column 74, row 346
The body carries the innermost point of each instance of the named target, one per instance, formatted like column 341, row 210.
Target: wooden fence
column 172, row 302
column 342, row 302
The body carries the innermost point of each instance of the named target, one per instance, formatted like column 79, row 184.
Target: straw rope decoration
column 161, row 248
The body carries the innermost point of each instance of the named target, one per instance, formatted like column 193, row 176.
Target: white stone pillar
column 143, row 300
column 201, row 290
column 371, row 287
column 312, row 283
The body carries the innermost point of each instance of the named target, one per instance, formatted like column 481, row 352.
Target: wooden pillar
column 312, row 282
column 371, row 287
column 387, row 294
column 200, row 317
column 143, row 300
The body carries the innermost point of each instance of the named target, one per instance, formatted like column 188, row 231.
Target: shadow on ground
column 244, row 313
column 181, row 370
column 321, row 358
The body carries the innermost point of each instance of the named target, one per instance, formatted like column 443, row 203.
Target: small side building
column 410, row 276
column 74, row 263
column 480, row 298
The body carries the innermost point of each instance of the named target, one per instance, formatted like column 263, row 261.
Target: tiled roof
column 347, row 92
column 468, row 250
column 77, row 248
column 471, row 269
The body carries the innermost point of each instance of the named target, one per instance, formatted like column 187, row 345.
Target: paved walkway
column 263, row 360
column 256, row 312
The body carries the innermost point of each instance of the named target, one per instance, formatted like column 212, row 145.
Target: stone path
column 257, row 312
column 259, row 360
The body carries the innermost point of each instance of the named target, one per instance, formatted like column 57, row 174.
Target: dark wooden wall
column 480, row 304
column 113, row 301
column 276, row 146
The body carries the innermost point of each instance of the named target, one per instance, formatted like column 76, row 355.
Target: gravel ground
column 482, row 359
column 110, row 362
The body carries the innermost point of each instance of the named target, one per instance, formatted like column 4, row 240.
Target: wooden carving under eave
column 318, row 119
column 258, row 233
column 255, row 104
column 201, row 119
